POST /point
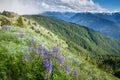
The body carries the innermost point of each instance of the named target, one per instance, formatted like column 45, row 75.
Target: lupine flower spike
column 26, row 57
column 60, row 59
column 48, row 66
column 55, row 49
column 40, row 48
column 31, row 47
column 46, row 63
column 46, row 52
column 67, row 68
column 74, row 72
column 32, row 41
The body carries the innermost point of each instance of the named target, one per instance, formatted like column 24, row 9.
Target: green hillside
column 97, row 48
column 81, row 36
column 26, row 45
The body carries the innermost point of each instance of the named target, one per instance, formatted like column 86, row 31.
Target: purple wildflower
column 60, row 59
column 21, row 35
column 74, row 72
column 46, row 63
column 40, row 48
column 31, row 47
column 46, row 52
column 48, row 66
column 25, row 57
column 6, row 27
column 67, row 68
column 55, row 49
column 49, row 55
column 32, row 41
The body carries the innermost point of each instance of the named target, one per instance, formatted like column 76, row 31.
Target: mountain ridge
column 106, row 23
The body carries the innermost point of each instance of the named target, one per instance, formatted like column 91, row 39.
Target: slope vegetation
column 106, row 23
column 95, row 47
column 29, row 51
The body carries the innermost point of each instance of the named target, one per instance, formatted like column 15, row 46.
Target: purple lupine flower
column 32, row 49
column 60, row 59
column 21, row 35
column 40, row 48
column 48, row 66
column 49, row 55
column 25, row 57
column 46, row 63
column 74, row 72
column 46, row 52
column 55, row 49
column 67, row 68
column 6, row 27
column 32, row 41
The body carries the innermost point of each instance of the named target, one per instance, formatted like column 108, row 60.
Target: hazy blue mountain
column 59, row 15
column 110, row 16
column 106, row 23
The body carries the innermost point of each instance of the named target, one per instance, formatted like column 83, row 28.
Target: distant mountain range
column 106, row 23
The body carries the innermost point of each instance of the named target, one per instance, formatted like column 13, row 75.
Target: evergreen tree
column 20, row 22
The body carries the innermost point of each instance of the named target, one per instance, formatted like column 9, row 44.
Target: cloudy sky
column 38, row 6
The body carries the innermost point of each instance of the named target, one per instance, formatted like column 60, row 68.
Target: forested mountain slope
column 106, row 23
column 97, row 48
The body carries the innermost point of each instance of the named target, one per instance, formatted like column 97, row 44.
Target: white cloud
column 19, row 6
column 37, row 6
column 44, row 5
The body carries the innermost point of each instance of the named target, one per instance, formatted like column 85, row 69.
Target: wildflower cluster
column 47, row 57
column 48, row 65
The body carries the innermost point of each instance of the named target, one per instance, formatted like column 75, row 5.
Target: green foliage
column 20, row 22
column 4, row 21
column 8, row 37
column 88, row 39
column 13, row 47
column 90, row 44
column 12, row 68
column 9, row 14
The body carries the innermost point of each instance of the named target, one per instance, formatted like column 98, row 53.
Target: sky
column 111, row 5
column 38, row 6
